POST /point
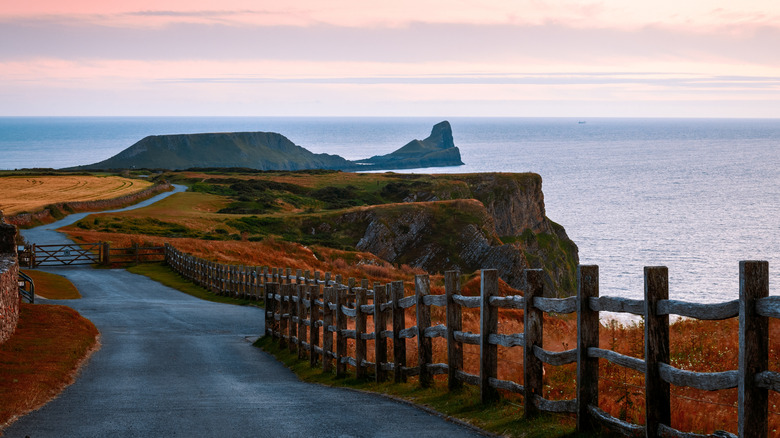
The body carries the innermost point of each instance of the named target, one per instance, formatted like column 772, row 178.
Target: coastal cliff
column 465, row 223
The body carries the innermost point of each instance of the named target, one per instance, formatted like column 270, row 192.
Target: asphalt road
column 173, row 365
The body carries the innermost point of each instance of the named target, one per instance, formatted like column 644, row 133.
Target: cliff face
column 503, row 226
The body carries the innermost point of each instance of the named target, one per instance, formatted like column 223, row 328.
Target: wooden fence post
column 107, row 253
column 341, row 325
column 284, row 315
column 587, row 336
column 292, row 342
column 657, row 391
column 533, row 328
column 380, row 325
column 327, row 335
column 314, row 316
column 399, row 323
column 361, row 296
column 488, row 353
column 301, row 317
column 422, row 288
column 454, row 324
column 271, row 309
column 753, row 402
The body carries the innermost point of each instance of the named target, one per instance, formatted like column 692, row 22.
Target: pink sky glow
column 701, row 58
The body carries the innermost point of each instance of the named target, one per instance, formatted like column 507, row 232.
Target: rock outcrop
column 271, row 151
column 438, row 150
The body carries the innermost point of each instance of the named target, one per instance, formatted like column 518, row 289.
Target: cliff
column 271, row 151
column 464, row 222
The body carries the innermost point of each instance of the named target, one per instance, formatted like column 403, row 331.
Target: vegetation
column 163, row 274
column 42, row 357
column 503, row 417
column 53, row 286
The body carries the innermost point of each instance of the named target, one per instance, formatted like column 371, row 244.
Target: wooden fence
column 310, row 315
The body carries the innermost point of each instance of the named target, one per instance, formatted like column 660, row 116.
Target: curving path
column 173, row 365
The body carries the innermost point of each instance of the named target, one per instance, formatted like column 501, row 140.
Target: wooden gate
column 73, row 254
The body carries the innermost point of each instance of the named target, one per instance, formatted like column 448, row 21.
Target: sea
column 695, row 195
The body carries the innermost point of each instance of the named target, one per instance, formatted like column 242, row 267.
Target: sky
column 443, row 58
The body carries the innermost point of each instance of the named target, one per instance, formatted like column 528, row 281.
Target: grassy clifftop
column 431, row 222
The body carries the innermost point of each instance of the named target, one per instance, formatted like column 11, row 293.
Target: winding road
column 174, row 365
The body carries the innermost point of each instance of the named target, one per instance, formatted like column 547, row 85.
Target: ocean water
column 694, row 195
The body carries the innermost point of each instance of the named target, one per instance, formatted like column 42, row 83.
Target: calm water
column 694, row 195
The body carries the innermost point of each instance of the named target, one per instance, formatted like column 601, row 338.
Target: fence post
column 314, row 316
column 587, row 336
column 327, row 335
column 657, row 391
column 422, row 288
column 454, row 324
column 361, row 295
column 753, row 401
column 399, row 323
column 301, row 318
column 292, row 342
column 488, row 318
column 107, row 253
column 341, row 325
column 380, row 325
column 533, row 328
column 284, row 315
column 271, row 306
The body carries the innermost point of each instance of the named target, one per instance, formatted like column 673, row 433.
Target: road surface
column 174, row 365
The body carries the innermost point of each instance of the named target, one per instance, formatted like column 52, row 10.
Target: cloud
column 418, row 42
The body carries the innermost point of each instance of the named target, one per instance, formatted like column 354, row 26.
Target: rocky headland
column 271, row 151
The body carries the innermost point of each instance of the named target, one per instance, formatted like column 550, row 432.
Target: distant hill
column 271, row 151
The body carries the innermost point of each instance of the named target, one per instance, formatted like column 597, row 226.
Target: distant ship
column 582, row 122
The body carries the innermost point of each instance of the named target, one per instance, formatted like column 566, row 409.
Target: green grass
column 503, row 417
column 161, row 273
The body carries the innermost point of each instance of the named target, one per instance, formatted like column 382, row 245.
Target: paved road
column 173, row 365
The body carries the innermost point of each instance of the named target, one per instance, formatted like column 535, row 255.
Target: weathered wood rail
column 311, row 315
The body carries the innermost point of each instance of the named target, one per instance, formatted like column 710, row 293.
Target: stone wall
column 9, row 282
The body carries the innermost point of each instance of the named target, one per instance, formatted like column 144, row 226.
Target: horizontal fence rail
column 317, row 318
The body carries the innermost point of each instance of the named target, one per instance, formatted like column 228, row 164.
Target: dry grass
column 42, row 357
column 32, row 193
column 53, row 286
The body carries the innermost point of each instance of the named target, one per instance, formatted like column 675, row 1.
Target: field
column 33, row 193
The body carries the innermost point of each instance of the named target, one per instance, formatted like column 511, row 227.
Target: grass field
column 32, row 193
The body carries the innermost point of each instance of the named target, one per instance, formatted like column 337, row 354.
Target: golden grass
column 32, row 193
column 42, row 357
column 53, row 286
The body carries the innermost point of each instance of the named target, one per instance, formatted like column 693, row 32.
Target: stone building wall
column 9, row 282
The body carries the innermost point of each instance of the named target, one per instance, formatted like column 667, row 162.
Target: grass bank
column 161, row 273
column 52, row 286
column 42, row 357
column 503, row 418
